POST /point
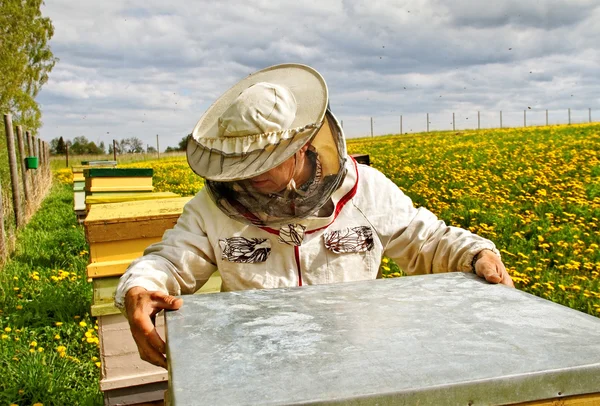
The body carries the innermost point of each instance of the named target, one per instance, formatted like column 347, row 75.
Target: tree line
column 82, row 146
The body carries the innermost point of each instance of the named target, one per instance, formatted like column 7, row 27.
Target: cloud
column 141, row 68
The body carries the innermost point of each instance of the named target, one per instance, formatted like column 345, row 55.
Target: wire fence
column 365, row 126
column 24, row 181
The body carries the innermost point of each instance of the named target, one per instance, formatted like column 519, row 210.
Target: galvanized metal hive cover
column 429, row 340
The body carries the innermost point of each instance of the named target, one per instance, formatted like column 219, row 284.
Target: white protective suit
column 371, row 218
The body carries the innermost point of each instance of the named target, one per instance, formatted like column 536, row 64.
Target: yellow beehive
column 105, row 198
column 119, row 232
column 100, row 180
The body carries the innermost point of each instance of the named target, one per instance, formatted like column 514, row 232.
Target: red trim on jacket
column 297, row 256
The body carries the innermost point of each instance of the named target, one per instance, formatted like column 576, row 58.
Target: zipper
column 297, row 256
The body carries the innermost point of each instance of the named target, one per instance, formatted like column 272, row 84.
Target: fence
column 24, row 185
column 362, row 126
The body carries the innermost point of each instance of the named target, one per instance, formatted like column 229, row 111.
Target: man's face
column 276, row 179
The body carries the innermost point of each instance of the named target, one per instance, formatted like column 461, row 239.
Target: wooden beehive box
column 105, row 198
column 119, row 232
column 100, row 180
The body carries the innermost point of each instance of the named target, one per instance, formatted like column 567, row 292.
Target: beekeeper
column 284, row 205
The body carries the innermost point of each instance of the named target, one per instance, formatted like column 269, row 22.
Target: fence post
column 26, row 189
column 546, row 117
column 590, row 113
column 3, row 250
column 371, row 127
column 569, row 116
column 115, row 150
column 14, row 172
column 500, row 118
column 33, row 178
column 427, row 122
column 157, row 147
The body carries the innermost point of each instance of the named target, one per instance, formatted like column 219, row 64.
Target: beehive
column 443, row 339
column 102, row 180
column 118, row 233
column 105, row 198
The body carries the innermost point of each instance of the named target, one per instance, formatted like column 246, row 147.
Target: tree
column 60, row 146
column 25, row 59
column 150, row 149
column 183, row 143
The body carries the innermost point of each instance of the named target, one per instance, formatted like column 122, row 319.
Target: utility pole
column 569, row 116
column 401, row 124
column 427, row 122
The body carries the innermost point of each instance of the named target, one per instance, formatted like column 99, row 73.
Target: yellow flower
column 19, row 307
column 8, row 329
column 98, row 364
column 57, row 337
column 83, row 324
column 37, row 404
column 33, row 344
column 61, row 348
column 4, row 337
column 58, row 323
column 31, row 350
column 41, row 349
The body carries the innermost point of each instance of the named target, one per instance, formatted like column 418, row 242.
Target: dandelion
column 83, row 324
column 41, row 349
column 4, row 337
column 33, row 344
column 98, row 364
column 57, row 337
column 19, row 307
column 8, row 329
column 58, row 323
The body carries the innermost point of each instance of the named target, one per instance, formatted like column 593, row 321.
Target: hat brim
column 311, row 94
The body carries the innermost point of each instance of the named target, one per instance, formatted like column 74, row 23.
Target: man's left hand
column 491, row 268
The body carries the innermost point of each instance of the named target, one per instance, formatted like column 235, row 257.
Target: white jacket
column 372, row 218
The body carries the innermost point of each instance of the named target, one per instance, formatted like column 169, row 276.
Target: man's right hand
column 141, row 307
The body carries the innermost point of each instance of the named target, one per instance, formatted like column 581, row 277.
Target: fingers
column 142, row 307
column 493, row 270
column 150, row 346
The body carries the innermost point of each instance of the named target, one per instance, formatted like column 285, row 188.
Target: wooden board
column 124, row 184
column 108, row 268
column 582, row 400
column 140, row 219
column 79, row 201
column 127, row 197
column 151, row 394
column 118, row 172
column 121, row 363
column 120, row 250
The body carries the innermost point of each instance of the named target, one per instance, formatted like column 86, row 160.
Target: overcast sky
column 146, row 67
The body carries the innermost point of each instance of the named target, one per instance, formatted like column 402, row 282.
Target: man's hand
column 490, row 267
column 142, row 307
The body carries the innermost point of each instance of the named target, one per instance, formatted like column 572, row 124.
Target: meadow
column 534, row 192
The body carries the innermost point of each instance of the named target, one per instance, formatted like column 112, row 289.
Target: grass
column 49, row 346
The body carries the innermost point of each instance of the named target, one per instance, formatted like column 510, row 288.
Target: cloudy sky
column 147, row 67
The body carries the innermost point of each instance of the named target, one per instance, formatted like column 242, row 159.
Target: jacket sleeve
column 415, row 238
column 179, row 264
